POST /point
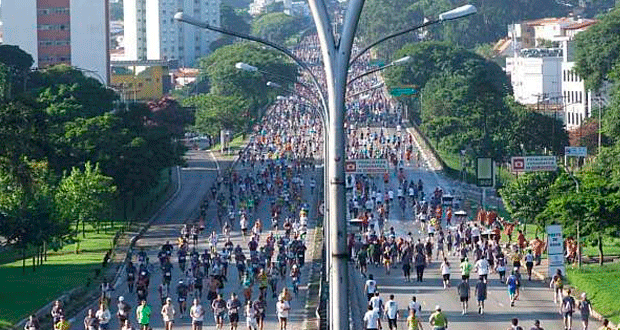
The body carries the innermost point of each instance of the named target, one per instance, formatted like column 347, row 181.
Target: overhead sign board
column 402, row 91
column 576, row 151
column 366, row 166
column 534, row 163
column 555, row 249
column 484, row 172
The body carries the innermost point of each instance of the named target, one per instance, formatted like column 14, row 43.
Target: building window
column 564, row 75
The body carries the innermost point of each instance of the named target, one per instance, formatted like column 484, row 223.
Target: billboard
column 533, row 163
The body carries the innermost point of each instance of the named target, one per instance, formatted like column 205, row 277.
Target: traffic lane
column 535, row 298
column 165, row 227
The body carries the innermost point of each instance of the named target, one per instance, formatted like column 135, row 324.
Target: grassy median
column 602, row 284
column 26, row 292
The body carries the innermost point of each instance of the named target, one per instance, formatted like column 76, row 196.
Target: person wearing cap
column 124, row 309
column 62, row 324
column 438, row 319
column 167, row 312
column 536, row 326
column 414, row 322
column 585, row 308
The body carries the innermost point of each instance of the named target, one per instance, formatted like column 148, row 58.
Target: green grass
column 63, row 271
column 234, row 146
column 601, row 283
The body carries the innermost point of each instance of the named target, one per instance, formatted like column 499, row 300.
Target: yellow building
column 140, row 83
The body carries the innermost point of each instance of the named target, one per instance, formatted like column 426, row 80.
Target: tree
column 533, row 132
column 26, row 211
column 597, row 50
column 227, row 80
column 215, row 112
column 277, row 27
column 594, row 207
column 84, row 195
column 168, row 113
column 382, row 17
column 15, row 68
column 526, row 196
column 233, row 20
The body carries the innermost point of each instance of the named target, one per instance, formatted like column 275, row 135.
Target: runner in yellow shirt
column 413, row 322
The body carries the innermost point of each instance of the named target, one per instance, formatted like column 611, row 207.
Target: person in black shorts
column 233, row 305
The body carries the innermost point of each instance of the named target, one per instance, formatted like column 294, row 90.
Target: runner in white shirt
column 445, row 273
column 370, row 287
column 282, row 308
column 372, row 319
column 482, row 266
column 415, row 306
column 377, row 303
column 391, row 312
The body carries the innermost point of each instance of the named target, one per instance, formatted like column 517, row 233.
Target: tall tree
column 597, row 50
column 277, row 27
column 84, row 195
column 526, row 196
column 215, row 112
column 15, row 69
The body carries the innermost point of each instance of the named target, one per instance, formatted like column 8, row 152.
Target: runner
column 463, row 291
column 557, row 284
column 512, row 282
column 168, row 312
column 103, row 316
column 413, row 322
column 585, row 309
column 567, row 308
column 219, row 311
column 143, row 315
column 445, row 273
column 91, row 322
column 438, row 320
column 391, row 312
column 233, row 305
column 282, row 308
column 481, row 295
column 372, row 319
column 124, row 310
column 370, row 287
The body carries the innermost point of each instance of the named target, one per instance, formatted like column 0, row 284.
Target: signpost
column 404, row 91
column 366, row 166
column 576, row 151
column 555, row 249
column 534, row 163
column 484, row 172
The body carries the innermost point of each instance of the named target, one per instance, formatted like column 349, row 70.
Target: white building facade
column 73, row 32
column 546, row 76
column 151, row 33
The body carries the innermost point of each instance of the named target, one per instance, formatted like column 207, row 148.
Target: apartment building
column 151, row 33
column 73, row 32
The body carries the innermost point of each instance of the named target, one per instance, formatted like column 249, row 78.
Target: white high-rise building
column 73, row 32
column 151, row 33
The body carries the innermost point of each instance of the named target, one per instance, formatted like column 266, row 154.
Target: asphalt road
column 535, row 302
column 196, row 179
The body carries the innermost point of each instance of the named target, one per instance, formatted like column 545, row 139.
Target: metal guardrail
column 321, row 309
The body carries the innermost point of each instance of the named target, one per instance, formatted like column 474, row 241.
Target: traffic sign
column 533, row 163
column 366, row 166
column 484, row 172
column 402, row 91
column 576, row 151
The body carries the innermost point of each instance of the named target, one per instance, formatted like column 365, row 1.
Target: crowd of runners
column 276, row 173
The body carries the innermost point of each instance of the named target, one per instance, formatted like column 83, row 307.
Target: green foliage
column 526, row 196
column 233, row 20
column 227, row 80
column 465, row 104
column 383, row 17
column 116, row 11
column 14, row 69
column 215, row 112
column 597, row 50
column 276, row 27
column 84, row 195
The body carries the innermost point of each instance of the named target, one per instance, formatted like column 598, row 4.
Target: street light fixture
column 400, row 61
column 456, row 13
